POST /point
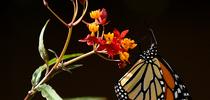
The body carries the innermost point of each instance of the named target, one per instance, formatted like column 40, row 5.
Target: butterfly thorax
column 149, row 54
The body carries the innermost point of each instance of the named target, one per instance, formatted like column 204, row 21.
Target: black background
column 181, row 27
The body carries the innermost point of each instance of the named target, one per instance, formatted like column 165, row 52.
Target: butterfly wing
column 144, row 81
column 174, row 83
column 154, row 80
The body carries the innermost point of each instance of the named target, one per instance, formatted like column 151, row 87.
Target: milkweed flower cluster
column 112, row 46
column 113, row 43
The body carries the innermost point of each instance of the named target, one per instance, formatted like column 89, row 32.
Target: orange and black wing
column 151, row 78
column 174, row 85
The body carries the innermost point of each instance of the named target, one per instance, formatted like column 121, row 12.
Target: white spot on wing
column 161, row 82
column 179, row 91
column 176, row 94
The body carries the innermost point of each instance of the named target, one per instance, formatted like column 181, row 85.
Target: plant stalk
column 30, row 94
column 57, row 64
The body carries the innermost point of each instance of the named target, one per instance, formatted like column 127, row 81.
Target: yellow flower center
column 95, row 14
column 109, row 37
column 93, row 27
column 128, row 44
column 124, row 56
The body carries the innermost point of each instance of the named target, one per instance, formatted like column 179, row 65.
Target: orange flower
column 100, row 16
column 93, row 27
column 124, row 56
column 109, row 37
column 95, row 14
column 128, row 44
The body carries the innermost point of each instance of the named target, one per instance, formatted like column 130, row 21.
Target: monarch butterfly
column 151, row 78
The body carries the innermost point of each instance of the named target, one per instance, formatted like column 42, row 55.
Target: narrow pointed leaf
column 38, row 72
column 37, row 75
column 48, row 92
column 65, row 57
column 42, row 50
column 71, row 67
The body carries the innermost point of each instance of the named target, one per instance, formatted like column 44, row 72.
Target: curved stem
column 58, row 60
column 55, row 67
column 74, row 5
column 85, row 22
column 75, row 11
column 57, row 64
column 57, row 16
column 65, row 46
column 84, row 11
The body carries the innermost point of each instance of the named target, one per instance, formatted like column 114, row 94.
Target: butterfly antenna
column 153, row 35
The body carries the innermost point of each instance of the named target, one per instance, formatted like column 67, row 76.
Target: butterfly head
column 149, row 54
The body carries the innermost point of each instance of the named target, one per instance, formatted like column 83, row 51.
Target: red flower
column 111, row 49
column 103, row 17
column 110, row 44
column 119, row 35
column 113, row 44
column 89, row 39
column 103, row 13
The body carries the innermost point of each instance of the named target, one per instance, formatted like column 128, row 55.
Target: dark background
column 181, row 27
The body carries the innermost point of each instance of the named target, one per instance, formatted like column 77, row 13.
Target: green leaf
column 37, row 74
column 71, row 67
column 86, row 98
column 65, row 57
column 48, row 92
column 42, row 50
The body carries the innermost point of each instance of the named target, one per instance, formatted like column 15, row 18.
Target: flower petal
column 103, row 13
column 116, row 33
column 124, row 56
column 89, row 39
column 124, row 33
column 85, row 39
column 95, row 14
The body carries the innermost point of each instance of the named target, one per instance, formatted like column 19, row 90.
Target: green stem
column 55, row 67
column 58, row 60
column 78, row 58
column 65, row 46
column 47, row 77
